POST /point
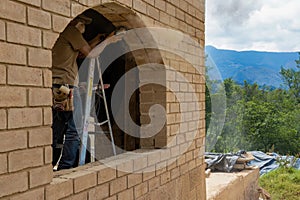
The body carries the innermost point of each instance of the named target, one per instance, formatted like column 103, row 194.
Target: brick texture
column 59, row 188
column 2, row 74
column 40, row 176
column 13, row 140
column 14, row 97
column 3, row 163
column 12, row 11
column 59, row 23
column 24, row 76
column 2, row 30
column 3, row 119
column 24, row 117
column 39, row 18
column 13, row 183
column 11, row 53
column 40, row 137
column 49, row 39
column 37, row 194
column 39, row 57
column 25, row 158
column 47, row 78
column 22, row 34
column 40, row 97
column 62, row 7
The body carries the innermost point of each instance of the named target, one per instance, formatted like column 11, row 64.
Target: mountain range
column 253, row 66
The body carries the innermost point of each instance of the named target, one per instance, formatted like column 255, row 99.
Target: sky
column 262, row 25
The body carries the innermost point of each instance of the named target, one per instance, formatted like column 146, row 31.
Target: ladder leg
column 106, row 109
column 87, row 112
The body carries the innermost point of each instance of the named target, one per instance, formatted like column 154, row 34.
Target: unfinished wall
column 28, row 30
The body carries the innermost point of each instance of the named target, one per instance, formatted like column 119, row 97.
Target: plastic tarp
column 221, row 162
column 267, row 163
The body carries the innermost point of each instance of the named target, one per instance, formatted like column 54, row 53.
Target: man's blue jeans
column 67, row 126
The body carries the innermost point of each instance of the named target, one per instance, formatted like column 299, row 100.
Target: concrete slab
column 233, row 186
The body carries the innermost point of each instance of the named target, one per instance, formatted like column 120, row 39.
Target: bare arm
column 86, row 49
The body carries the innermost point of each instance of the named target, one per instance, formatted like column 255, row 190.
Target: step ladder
column 87, row 112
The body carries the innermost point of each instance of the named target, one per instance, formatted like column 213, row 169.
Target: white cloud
column 264, row 25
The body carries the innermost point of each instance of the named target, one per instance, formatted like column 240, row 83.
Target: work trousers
column 67, row 127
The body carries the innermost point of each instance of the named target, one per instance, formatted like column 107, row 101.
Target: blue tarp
column 267, row 163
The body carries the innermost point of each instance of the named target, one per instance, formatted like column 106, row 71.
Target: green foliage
column 282, row 183
column 257, row 118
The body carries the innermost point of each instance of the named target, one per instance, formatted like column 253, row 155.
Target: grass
column 282, row 183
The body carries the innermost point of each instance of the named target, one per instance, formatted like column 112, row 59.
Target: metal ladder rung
column 101, row 123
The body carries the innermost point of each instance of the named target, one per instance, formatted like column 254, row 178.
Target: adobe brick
column 59, row 188
column 37, row 194
column 148, row 173
column 153, row 12
column 80, row 196
column 106, row 174
column 40, row 137
column 91, row 2
column 3, row 119
column 49, row 39
column 134, row 179
column 77, row 8
column 48, row 154
column 171, row 10
column 112, row 198
column 84, row 181
column 154, row 183
column 23, row 159
column 165, row 177
column 140, row 189
column 24, row 76
column 160, row 4
column 62, row 7
column 47, row 113
column 13, row 183
column 2, row 74
column 32, row 2
column 39, row 57
column 126, row 2
column 2, row 30
column 118, row 185
column 24, row 117
column 40, row 97
column 13, row 140
column 99, row 192
column 59, row 23
column 140, row 6
column 13, row 96
column 126, row 195
column 13, row 11
column 183, row 5
column 3, row 163
column 39, row 18
column 40, row 176
column 11, row 53
column 47, row 78
column 23, row 34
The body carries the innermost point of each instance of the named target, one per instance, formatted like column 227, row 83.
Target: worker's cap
column 84, row 19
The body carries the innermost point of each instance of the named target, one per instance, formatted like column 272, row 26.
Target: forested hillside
column 256, row 117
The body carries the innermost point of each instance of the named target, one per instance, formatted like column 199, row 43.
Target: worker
column 66, row 129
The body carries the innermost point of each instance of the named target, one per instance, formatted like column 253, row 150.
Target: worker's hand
column 106, row 86
column 111, row 38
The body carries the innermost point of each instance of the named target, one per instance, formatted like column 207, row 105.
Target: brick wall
column 28, row 30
